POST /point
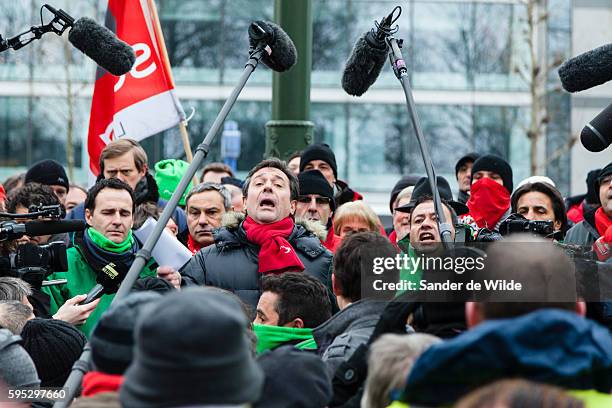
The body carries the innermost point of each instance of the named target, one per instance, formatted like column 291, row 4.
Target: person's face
column 74, row 197
column 313, row 207
column 237, row 199
column 487, row 174
column 266, row 309
column 39, row 240
column 269, row 196
column 60, row 192
column 464, row 176
column 424, row 232
column 112, row 215
column 537, row 206
column 324, row 168
column 171, row 227
column 214, row 176
column 294, row 165
column 353, row 224
column 401, row 220
column 204, row 212
column 124, row 168
column 605, row 195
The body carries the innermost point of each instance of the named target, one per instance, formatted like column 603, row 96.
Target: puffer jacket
column 584, row 233
column 232, row 262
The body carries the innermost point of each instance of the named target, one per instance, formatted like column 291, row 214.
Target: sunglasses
column 308, row 200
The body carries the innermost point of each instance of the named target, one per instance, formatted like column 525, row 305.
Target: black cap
column 319, row 151
column 603, row 173
column 47, row 172
column 232, row 181
column 470, row 157
column 422, row 189
column 496, row 164
column 405, row 181
column 313, row 182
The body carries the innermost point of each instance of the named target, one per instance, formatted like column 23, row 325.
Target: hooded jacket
column 232, row 262
column 344, row 332
column 584, row 233
column 548, row 346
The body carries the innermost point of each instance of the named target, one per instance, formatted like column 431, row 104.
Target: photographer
column 541, row 201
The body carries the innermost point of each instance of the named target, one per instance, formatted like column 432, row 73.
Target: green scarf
column 108, row 245
column 270, row 337
column 407, row 274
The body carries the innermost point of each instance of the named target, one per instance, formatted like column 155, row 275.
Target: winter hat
column 294, row 378
column 313, row 182
column 319, row 151
column 422, row 189
column 470, row 157
column 168, row 174
column 47, row 172
column 112, row 339
column 536, row 179
column 496, row 164
column 592, row 182
column 16, row 366
column 233, row 181
column 606, row 171
column 154, row 284
column 406, row 181
column 192, row 349
column 54, row 346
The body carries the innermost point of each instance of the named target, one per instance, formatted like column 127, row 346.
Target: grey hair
column 221, row 189
column 14, row 288
column 390, row 360
column 14, row 315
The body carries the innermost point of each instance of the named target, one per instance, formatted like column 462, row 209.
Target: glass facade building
column 462, row 58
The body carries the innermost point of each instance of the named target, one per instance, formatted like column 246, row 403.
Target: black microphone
column 12, row 230
column 597, row 134
column 367, row 59
column 108, row 281
column 102, row 45
column 587, row 70
column 280, row 53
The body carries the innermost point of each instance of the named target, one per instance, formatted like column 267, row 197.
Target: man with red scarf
column 265, row 241
column 596, row 228
column 489, row 201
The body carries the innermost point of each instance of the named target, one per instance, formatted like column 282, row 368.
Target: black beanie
column 47, row 172
column 112, row 339
column 406, row 181
column 495, row 164
column 319, row 151
column 592, row 182
column 313, row 182
column 470, row 157
column 603, row 173
column 54, row 346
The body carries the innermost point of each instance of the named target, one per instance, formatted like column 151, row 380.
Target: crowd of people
column 269, row 309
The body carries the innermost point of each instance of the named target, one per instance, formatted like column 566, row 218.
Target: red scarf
column 488, row 202
column 96, row 382
column 192, row 244
column 276, row 254
column 602, row 221
column 333, row 241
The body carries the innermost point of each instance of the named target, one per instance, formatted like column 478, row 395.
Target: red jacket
column 332, row 242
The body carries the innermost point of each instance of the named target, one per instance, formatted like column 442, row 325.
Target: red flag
column 142, row 102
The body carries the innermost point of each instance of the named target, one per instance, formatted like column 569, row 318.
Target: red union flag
column 142, row 102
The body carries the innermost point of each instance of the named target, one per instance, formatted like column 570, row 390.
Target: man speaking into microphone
column 103, row 253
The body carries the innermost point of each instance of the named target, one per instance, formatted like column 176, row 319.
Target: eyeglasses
column 308, row 200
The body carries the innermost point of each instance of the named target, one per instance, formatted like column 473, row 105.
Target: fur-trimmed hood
column 232, row 219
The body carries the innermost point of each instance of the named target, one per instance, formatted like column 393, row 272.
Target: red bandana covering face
column 488, row 201
column 276, row 254
column 602, row 222
column 193, row 245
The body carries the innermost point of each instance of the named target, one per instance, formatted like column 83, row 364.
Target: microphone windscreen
column 587, row 70
column 363, row 67
column 597, row 135
column 36, row 228
column 284, row 54
column 102, row 45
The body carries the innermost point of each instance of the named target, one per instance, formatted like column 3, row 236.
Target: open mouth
column 267, row 203
column 426, row 236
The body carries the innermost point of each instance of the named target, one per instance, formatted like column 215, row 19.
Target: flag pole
column 183, row 123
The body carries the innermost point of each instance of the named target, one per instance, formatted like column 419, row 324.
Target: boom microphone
column 102, row 45
column 367, row 59
column 12, row 230
column 280, row 51
column 107, row 281
column 587, row 70
column 597, row 134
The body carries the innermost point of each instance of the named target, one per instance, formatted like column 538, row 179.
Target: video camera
column 33, row 263
column 516, row 223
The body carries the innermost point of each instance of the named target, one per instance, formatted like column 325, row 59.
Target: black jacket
column 232, row 262
column 584, row 233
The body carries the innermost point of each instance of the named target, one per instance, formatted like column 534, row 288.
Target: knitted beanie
column 47, row 172
column 406, row 181
column 313, row 182
column 495, row 164
column 16, row 366
column 470, row 157
column 319, row 151
column 168, row 174
column 54, row 346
